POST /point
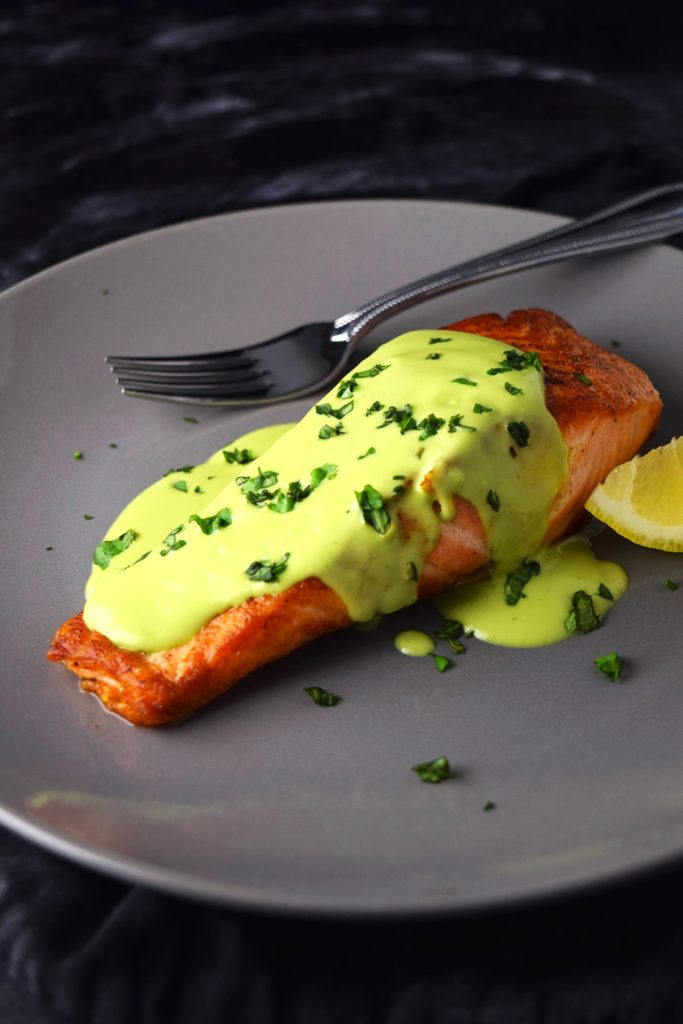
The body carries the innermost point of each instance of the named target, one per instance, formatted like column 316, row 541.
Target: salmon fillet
column 603, row 425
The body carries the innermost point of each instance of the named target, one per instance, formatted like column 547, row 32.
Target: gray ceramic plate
column 264, row 799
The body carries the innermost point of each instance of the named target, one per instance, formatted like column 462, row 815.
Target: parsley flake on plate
column 322, row 697
column 451, row 631
column 440, row 661
column 433, row 771
column 609, row 665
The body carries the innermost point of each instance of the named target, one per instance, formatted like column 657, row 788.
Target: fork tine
column 207, row 390
column 178, row 377
column 222, row 360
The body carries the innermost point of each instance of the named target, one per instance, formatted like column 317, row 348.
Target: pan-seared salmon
column 605, row 407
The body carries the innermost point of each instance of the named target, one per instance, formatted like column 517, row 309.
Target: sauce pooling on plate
column 540, row 614
column 428, row 416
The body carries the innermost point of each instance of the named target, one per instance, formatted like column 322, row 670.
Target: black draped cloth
column 116, row 118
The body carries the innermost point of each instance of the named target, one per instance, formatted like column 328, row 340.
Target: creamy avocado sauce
column 414, row 643
column 419, row 421
column 539, row 616
column 181, row 491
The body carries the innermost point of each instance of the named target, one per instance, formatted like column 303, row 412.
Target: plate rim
column 184, row 884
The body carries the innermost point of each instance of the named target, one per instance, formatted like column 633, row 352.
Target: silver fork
column 313, row 356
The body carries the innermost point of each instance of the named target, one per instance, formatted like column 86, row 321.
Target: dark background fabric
column 117, row 118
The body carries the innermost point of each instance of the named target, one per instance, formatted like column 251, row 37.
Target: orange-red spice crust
column 604, row 423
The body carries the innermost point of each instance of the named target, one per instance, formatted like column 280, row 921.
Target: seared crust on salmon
column 605, row 407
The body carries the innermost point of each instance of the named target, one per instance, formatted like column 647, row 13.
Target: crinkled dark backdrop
column 116, row 118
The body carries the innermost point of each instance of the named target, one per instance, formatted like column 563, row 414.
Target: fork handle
column 644, row 218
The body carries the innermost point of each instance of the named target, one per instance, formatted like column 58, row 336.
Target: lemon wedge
column 643, row 499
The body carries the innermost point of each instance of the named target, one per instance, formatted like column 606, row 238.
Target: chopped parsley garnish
column 670, row 585
column 322, row 697
column 284, row 501
column 256, row 489
column 516, row 581
column 514, row 360
column 493, row 500
column 451, row 631
column 171, row 542
column 180, row 485
column 329, row 431
column 370, row 451
column 519, row 432
column 212, row 523
column 433, row 771
column 489, row 806
column 372, row 506
column 242, row 456
column 605, row 592
column 582, row 617
column 190, row 419
column 464, row 380
column 375, row 407
column 88, row 516
column 609, row 665
column 267, row 571
column 430, row 426
column 513, row 451
column 512, row 390
column 338, row 414
column 346, row 388
column 479, row 408
column 78, row 455
column 181, row 469
column 455, row 423
column 584, row 379
column 107, row 550
column 403, row 417
column 439, row 341
column 112, row 445
column 433, row 355
column 198, row 490
column 49, row 548
column 399, row 489
column 615, row 344
column 441, row 663
column 372, row 372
